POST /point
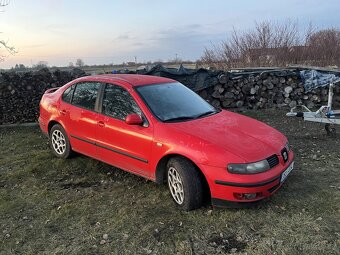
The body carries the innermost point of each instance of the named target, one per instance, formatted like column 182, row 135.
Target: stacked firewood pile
column 20, row 93
column 264, row 90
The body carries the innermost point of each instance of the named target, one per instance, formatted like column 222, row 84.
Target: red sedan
column 158, row 128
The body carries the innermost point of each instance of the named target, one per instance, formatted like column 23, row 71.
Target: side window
column 67, row 95
column 85, row 95
column 118, row 103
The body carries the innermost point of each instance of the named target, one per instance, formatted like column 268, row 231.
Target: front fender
column 194, row 149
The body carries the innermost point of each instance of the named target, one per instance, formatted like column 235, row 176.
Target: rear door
column 80, row 117
column 125, row 146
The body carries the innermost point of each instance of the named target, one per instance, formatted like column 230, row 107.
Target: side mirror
column 134, row 119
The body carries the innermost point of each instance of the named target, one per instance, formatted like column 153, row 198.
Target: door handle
column 101, row 123
column 63, row 112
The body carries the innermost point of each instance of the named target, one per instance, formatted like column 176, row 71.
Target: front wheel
column 184, row 183
column 59, row 142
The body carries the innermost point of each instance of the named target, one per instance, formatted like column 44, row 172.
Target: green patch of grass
column 54, row 206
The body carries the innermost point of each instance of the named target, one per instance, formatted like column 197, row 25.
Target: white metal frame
column 324, row 115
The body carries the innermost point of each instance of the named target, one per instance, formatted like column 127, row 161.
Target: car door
column 122, row 145
column 80, row 117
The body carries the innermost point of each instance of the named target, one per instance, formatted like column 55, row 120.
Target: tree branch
column 10, row 49
column 4, row 3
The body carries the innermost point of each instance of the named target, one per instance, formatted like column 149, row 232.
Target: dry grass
column 53, row 206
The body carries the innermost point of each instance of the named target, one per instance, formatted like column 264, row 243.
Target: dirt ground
column 82, row 206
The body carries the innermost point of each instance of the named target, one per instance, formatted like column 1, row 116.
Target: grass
column 83, row 206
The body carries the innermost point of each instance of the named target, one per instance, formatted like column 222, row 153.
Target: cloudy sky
column 103, row 31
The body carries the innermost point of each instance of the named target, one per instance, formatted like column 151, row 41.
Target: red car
column 158, row 128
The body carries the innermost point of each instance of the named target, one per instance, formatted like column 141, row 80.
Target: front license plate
column 286, row 172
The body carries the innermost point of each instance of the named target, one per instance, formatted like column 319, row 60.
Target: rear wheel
column 59, row 142
column 184, row 183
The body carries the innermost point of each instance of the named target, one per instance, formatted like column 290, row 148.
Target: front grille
column 273, row 160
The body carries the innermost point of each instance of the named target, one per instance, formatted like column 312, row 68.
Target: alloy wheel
column 175, row 185
column 58, row 142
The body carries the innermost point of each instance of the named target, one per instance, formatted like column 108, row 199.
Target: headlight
column 251, row 168
column 287, row 146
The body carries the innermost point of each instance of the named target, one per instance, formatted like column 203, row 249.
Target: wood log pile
column 264, row 90
column 20, row 93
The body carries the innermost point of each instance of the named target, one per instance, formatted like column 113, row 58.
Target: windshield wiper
column 191, row 117
column 205, row 114
column 179, row 118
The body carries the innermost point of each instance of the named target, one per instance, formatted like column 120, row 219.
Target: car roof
column 132, row 79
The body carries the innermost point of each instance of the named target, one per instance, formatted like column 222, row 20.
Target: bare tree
column 7, row 47
column 79, row 62
column 19, row 67
column 41, row 64
column 4, row 3
column 4, row 44
column 324, row 47
column 274, row 44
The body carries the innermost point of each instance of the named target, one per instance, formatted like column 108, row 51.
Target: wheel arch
column 51, row 124
column 160, row 175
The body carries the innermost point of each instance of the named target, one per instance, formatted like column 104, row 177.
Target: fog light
column 247, row 196
column 250, row 195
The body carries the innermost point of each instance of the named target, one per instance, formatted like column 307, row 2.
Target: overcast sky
column 103, row 31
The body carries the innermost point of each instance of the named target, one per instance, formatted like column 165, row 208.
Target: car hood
column 242, row 136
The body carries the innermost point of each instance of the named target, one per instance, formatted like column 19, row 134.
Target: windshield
column 173, row 102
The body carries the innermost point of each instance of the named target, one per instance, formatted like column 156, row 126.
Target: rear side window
column 67, row 95
column 118, row 103
column 85, row 95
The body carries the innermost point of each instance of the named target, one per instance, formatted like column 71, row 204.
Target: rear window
column 85, row 95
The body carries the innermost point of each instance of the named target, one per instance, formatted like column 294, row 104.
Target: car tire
column 59, row 142
column 184, row 183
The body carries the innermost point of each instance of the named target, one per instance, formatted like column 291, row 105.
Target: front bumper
column 261, row 190
column 240, row 190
